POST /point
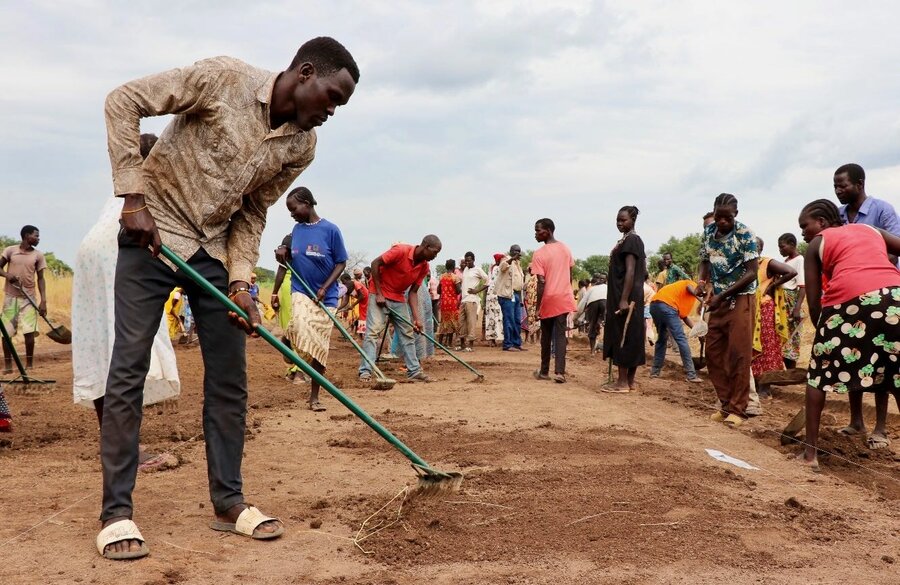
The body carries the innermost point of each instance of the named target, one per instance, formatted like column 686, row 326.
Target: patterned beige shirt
column 217, row 167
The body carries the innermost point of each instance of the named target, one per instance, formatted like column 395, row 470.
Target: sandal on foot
column 875, row 442
column 717, row 416
column 612, row 389
column 559, row 378
column 117, row 532
column 734, row 421
column 316, row 406
column 539, row 376
column 849, row 431
column 247, row 522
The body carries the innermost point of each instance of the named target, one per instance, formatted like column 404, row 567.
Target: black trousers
column 143, row 284
column 553, row 333
column 595, row 314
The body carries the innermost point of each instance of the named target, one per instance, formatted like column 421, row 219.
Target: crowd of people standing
column 751, row 305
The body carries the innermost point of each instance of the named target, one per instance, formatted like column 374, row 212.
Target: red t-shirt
column 398, row 272
column 855, row 262
column 554, row 262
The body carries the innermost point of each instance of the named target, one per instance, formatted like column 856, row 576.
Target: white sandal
column 117, row 532
column 247, row 522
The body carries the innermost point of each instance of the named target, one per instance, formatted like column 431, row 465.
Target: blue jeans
column 376, row 321
column 667, row 321
column 424, row 346
column 512, row 323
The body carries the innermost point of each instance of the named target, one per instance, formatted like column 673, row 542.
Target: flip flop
column 539, row 376
column 316, row 406
column 117, row 532
column 247, row 522
column 611, row 389
column 849, row 431
column 734, row 421
column 875, row 442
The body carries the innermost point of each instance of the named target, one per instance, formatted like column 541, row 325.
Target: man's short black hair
column 27, row 231
column 788, row 238
column 855, row 173
column 546, row 223
column 328, row 56
column 450, row 265
column 469, row 255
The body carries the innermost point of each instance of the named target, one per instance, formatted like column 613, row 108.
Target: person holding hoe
column 239, row 137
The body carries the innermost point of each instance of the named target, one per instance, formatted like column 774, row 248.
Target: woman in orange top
column 669, row 307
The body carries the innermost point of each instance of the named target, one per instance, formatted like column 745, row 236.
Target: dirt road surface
column 563, row 485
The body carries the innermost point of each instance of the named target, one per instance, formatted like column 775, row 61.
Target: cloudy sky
column 473, row 119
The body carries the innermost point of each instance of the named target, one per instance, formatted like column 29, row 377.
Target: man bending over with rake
column 240, row 137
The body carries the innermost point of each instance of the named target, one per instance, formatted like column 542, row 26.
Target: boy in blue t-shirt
column 318, row 255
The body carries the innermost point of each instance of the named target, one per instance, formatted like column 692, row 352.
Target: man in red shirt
column 552, row 265
column 396, row 277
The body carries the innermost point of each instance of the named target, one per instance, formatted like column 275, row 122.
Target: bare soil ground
column 563, row 484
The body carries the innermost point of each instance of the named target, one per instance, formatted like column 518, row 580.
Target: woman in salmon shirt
column 857, row 342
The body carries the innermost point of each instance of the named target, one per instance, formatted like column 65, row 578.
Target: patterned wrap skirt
column 310, row 329
column 857, row 345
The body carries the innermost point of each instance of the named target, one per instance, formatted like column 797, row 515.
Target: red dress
column 449, row 305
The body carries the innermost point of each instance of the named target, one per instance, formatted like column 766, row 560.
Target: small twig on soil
column 357, row 539
column 600, row 514
column 201, row 552
column 479, row 503
column 660, row 524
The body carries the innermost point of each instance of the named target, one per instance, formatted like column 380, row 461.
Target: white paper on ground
column 719, row 456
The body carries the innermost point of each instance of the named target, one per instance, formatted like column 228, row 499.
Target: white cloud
column 472, row 119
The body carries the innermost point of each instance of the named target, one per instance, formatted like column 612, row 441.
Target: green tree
column 592, row 265
column 264, row 274
column 685, row 252
column 57, row 266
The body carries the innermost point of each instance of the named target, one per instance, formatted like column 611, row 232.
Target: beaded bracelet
column 134, row 210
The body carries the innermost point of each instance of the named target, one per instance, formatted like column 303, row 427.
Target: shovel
column 383, row 382
column 431, row 480
column 58, row 334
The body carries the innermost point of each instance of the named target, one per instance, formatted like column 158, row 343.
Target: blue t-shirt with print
column 315, row 250
column 727, row 256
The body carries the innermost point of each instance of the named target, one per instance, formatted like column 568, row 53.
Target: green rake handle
column 335, row 321
column 437, row 343
column 418, row 462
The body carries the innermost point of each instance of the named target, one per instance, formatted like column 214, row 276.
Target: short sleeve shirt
column 676, row 273
column 554, row 262
column 399, row 272
column 315, row 250
column 23, row 264
column 472, row 278
column 727, row 256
